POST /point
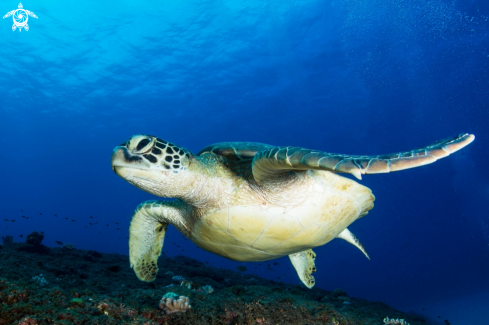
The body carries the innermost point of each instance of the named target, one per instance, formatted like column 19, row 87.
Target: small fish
column 116, row 223
column 40, row 213
column 118, row 228
column 12, row 220
column 58, row 242
column 6, row 219
column 91, row 217
column 242, row 268
column 21, row 236
column 72, row 220
column 21, row 210
column 90, row 224
column 56, row 215
column 276, row 263
column 66, row 218
column 107, row 225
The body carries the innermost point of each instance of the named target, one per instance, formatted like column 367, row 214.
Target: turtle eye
column 144, row 145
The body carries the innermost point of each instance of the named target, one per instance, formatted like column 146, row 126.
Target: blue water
column 351, row 76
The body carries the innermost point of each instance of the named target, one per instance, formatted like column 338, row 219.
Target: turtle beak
column 123, row 161
column 118, row 159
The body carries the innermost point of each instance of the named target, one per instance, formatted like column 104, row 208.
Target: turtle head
column 152, row 164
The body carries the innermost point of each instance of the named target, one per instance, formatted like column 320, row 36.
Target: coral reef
column 207, row 289
column 40, row 280
column 177, row 278
column 186, row 283
column 87, row 287
column 172, row 303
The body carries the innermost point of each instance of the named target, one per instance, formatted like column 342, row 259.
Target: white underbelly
column 263, row 232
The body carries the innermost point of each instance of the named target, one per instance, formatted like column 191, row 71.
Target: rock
column 38, row 249
column 115, row 268
column 325, row 299
column 34, row 238
column 94, row 253
column 69, row 247
column 33, row 244
column 8, row 240
column 339, row 293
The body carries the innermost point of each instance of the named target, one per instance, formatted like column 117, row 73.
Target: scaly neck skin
column 203, row 187
column 198, row 185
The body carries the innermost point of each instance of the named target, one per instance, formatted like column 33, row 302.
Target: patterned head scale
column 159, row 153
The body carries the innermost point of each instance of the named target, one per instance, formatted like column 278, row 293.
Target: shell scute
column 279, row 229
column 248, row 224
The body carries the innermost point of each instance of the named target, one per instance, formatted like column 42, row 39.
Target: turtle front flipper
column 147, row 234
column 273, row 162
column 303, row 263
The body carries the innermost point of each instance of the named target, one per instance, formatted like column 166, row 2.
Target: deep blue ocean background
column 348, row 76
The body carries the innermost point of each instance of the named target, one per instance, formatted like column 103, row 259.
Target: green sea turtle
column 251, row 201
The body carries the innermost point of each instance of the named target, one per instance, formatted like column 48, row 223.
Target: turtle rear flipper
column 273, row 162
column 350, row 237
column 303, row 263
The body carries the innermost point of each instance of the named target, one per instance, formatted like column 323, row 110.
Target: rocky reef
column 42, row 285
